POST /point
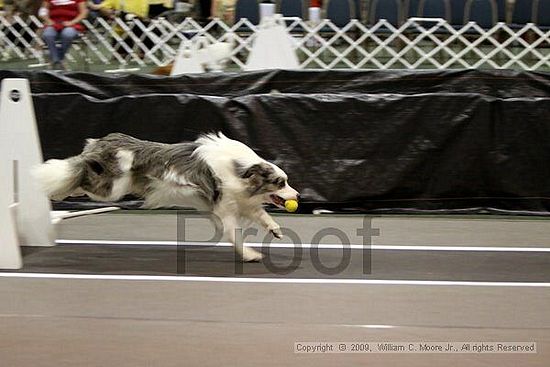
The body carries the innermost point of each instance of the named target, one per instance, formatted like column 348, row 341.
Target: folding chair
column 389, row 10
column 541, row 14
column 457, row 13
column 483, row 12
column 522, row 13
column 292, row 8
column 248, row 9
column 435, row 9
column 339, row 12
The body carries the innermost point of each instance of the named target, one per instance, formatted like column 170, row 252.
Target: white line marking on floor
column 308, row 245
column 273, row 280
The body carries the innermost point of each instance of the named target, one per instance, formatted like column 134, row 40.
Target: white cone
column 272, row 48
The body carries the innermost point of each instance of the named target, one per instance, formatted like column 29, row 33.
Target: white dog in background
column 200, row 55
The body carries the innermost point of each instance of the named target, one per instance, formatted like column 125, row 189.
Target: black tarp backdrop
column 377, row 141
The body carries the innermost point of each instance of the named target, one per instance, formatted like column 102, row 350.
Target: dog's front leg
column 230, row 226
column 265, row 220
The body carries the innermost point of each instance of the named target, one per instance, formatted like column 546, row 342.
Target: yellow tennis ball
column 291, row 206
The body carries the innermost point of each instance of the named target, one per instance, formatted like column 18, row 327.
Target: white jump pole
column 58, row 217
column 19, row 151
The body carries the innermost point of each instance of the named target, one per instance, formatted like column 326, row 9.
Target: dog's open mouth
column 277, row 200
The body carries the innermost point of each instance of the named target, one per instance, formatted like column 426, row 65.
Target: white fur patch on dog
column 165, row 195
column 90, row 142
column 121, row 186
column 220, row 153
column 178, row 179
column 125, row 160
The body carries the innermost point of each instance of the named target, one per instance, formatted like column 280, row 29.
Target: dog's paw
column 277, row 232
column 250, row 255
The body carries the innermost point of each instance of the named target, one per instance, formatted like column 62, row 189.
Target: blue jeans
column 66, row 36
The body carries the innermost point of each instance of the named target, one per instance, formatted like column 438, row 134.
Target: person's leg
column 156, row 9
column 68, row 34
column 205, row 9
column 50, row 36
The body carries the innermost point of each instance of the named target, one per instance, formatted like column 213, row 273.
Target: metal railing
column 417, row 44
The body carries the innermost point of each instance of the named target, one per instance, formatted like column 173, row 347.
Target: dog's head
column 268, row 181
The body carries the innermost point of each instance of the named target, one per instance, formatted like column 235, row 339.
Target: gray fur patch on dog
column 151, row 161
column 261, row 177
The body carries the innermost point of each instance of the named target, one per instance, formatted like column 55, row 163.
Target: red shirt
column 64, row 11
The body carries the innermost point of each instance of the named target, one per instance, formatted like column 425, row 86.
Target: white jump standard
column 24, row 209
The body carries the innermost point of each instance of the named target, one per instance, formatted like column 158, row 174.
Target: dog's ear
column 257, row 176
column 262, row 170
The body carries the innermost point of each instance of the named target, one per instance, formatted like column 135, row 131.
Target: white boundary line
column 309, row 245
column 273, row 280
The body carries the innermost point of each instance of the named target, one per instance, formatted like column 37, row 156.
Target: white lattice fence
column 417, row 44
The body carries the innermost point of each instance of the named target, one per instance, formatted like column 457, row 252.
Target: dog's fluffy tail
column 60, row 178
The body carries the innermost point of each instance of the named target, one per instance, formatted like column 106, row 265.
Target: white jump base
column 25, row 211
